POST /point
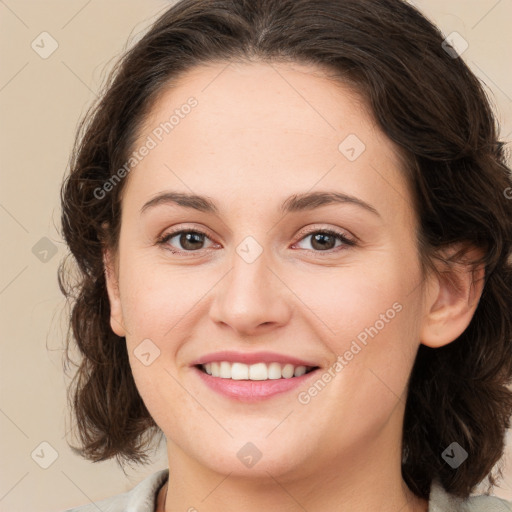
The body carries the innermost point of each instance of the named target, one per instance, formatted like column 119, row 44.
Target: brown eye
column 191, row 240
column 325, row 240
column 187, row 240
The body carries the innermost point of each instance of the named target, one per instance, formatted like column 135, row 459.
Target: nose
column 251, row 298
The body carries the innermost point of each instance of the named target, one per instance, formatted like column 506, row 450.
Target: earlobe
column 452, row 299
column 112, row 282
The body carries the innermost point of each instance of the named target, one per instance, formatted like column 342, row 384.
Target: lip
column 251, row 358
column 253, row 390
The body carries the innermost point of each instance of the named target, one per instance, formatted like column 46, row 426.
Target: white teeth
column 300, row 370
column 287, row 371
column 225, row 370
column 239, row 371
column 274, row 371
column 258, row 371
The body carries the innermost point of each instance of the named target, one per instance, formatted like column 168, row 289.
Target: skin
column 259, row 134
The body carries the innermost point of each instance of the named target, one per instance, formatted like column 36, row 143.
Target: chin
column 258, row 459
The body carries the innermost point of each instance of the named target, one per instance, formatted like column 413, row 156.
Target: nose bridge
column 251, row 294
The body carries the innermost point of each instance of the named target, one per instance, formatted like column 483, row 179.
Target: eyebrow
column 296, row 202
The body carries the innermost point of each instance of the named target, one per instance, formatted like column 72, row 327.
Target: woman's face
column 256, row 141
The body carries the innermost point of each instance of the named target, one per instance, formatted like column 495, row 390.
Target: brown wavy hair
column 425, row 99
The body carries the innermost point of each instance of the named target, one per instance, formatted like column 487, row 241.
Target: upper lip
column 251, row 358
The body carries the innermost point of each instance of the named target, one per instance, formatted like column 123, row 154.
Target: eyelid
column 334, row 231
column 347, row 238
column 165, row 236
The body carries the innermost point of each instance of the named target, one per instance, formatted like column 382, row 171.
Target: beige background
column 41, row 101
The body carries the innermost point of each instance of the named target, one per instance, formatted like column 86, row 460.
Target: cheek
column 370, row 316
column 348, row 301
column 156, row 297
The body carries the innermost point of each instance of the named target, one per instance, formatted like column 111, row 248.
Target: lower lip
column 252, row 390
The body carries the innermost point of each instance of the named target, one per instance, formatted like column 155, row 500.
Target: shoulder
column 142, row 498
column 441, row 501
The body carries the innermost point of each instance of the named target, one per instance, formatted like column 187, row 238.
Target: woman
column 292, row 223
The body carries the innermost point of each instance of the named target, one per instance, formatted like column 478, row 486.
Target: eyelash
column 162, row 240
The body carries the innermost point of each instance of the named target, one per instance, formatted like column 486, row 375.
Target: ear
column 111, row 278
column 452, row 297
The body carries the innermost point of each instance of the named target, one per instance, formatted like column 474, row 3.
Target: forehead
column 262, row 128
column 262, row 96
